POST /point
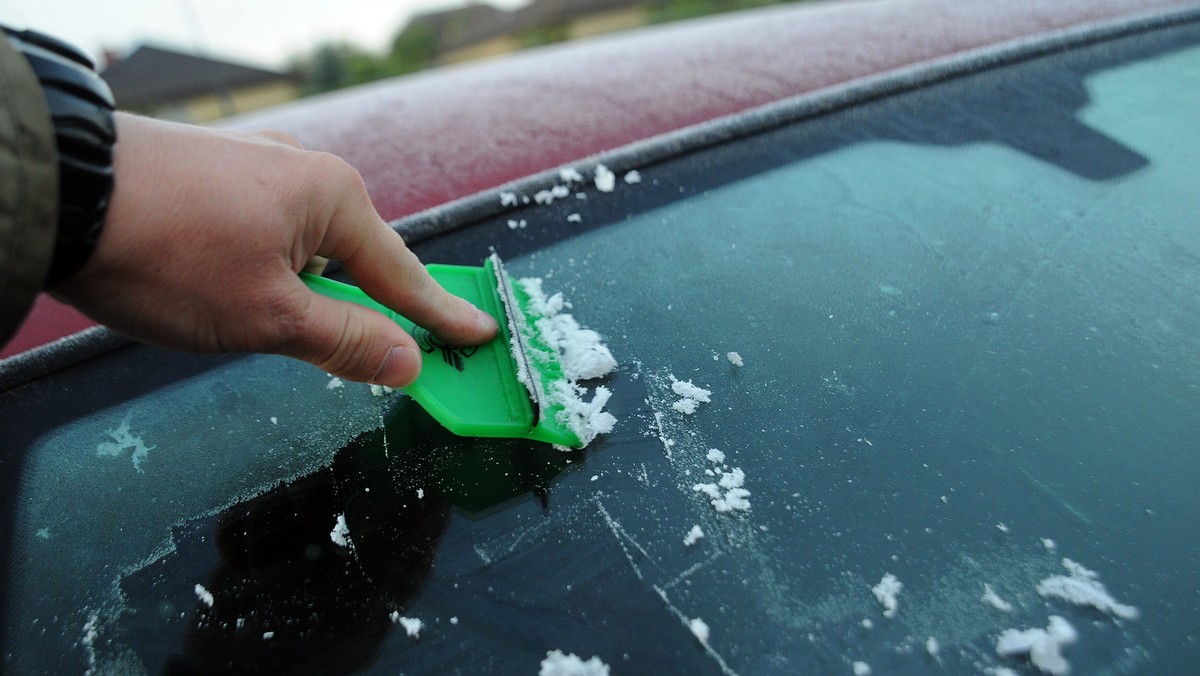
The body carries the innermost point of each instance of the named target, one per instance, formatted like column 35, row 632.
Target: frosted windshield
column 883, row 406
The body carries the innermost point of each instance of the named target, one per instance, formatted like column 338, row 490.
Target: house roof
column 153, row 75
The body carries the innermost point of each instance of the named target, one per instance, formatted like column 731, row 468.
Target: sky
column 258, row 32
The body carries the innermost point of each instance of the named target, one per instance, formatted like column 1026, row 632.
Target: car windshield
column 947, row 341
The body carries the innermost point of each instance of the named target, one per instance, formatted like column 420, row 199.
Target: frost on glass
column 100, row 496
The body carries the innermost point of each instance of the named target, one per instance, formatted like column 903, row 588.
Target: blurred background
column 201, row 60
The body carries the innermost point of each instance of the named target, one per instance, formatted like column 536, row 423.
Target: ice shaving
column 555, row 336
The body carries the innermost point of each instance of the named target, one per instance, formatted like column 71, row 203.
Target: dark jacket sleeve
column 28, row 189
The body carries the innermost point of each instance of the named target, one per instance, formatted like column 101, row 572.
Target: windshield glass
column 948, row 341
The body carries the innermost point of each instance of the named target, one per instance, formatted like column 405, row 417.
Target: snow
column 932, row 646
column 691, row 396
column 686, row 406
column 570, row 175
column 517, row 224
column 412, row 626
column 715, row 456
column 268, row 635
column 341, row 532
column 1049, row 544
column 606, row 180
column 557, row 336
column 699, row 628
column 559, row 664
column 993, row 599
column 685, row 388
column 734, row 358
column 1043, row 646
column 1083, row 588
column 693, row 536
column 633, row 177
column 861, row 669
column 454, row 620
column 886, row 592
column 574, row 218
column 733, row 497
column 334, row 383
column 508, row 199
column 204, row 595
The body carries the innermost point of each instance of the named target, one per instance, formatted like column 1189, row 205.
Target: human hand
column 206, row 231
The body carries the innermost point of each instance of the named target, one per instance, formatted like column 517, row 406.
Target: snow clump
column 606, row 180
column 691, row 396
column 559, row 664
column 886, row 592
column 412, row 625
column 1083, row 588
column 727, row 494
column 341, row 532
column 1044, row 646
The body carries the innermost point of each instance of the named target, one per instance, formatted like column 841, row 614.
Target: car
column 904, row 301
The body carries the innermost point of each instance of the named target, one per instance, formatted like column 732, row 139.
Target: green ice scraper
column 481, row 391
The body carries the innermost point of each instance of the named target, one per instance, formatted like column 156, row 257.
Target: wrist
column 81, row 108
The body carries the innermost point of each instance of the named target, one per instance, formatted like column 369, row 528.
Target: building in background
column 174, row 85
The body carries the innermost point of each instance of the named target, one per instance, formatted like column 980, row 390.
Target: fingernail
column 400, row 368
column 487, row 323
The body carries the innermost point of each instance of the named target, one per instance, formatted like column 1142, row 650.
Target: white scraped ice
column 686, row 406
column 412, row 626
column 685, row 388
column 341, row 532
column 887, row 592
column 715, row 456
column 861, row 668
column 633, row 176
column 570, row 175
column 734, row 358
column 559, row 664
column 993, row 599
column 204, row 595
column 691, row 396
column 1083, row 588
column 574, row 218
column 508, row 199
column 606, row 180
column 727, row 494
column 694, row 535
column 1043, row 646
column 699, row 629
column 932, row 646
column 335, row 383
column 581, row 354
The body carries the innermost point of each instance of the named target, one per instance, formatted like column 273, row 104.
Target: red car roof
column 430, row 138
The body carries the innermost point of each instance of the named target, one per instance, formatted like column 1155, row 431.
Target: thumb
column 356, row 343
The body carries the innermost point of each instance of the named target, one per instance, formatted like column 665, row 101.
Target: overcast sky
column 261, row 32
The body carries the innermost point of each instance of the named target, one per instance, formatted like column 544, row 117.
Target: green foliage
column 544, row 35
column 415, row 48
column 333, row 65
